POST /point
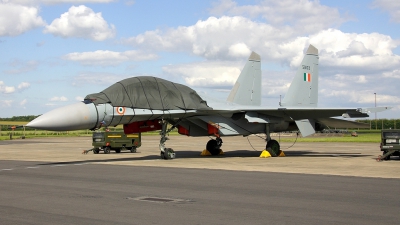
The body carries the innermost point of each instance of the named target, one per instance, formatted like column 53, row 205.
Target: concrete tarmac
column 49, row 181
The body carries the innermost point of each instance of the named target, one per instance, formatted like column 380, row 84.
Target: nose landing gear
column 165, row 153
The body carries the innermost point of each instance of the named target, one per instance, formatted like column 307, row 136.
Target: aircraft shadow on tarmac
column 182, row 154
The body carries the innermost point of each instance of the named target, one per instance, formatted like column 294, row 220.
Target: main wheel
column 133, row 149
column 96, row 151
column 274, row 146
column 107, row 150
column 212, row 147
column 117, row 150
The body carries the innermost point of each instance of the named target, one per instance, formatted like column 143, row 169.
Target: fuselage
column 229, row 118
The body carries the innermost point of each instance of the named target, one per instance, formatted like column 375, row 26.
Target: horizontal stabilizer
column 338, row 123
column 363, row 112
column 375, row 109
column 305, row 127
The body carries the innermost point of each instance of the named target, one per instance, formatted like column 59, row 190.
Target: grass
column 363, row 137
column 12, row 123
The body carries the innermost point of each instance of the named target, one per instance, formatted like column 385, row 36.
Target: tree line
column 20, row 118
column 382, row 123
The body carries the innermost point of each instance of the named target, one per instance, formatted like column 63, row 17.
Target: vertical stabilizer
column 303, row 90
column 247, row 89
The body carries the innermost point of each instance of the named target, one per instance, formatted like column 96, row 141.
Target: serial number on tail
column 306, row 67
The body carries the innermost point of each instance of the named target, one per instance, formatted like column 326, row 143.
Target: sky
column 55, row 52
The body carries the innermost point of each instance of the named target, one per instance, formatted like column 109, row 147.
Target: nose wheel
column 168, row 153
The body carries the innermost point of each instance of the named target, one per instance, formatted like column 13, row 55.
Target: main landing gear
column 272, row 146
column 214, row 146
column 165, row 153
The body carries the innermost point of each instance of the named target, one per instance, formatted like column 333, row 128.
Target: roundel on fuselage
column 121, row 110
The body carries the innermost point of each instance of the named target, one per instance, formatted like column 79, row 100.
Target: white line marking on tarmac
column 37, row 167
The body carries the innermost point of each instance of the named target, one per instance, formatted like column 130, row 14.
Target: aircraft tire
column 96, row 151
column 274, row 146
column 107, row 150
column 212, row 147
column 133, row 149
column 167, row 154
column 118, row 151
column 162, row 155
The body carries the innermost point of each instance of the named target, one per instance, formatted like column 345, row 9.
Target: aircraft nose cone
column 77, row 116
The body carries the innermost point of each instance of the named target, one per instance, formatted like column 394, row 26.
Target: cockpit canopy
column 147, row 92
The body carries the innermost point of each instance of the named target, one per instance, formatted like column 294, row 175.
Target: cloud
column 58, row 99
column 361, row 53
column 214, row 38
column 79, row 98
column 6, row 89
column 6, row 103
column 391, row 6
column 11, row 89
column 53, row 2
column 355, row 48
column 129, row 2
column 97, row 79
column 348, row 78
column 40, row 44
column 363, row 97
column 303, row 15
column 22, row 66
column 81, row 22
column 230, row 38
column 23, row 102
column 108, row 58
column 205, row 74
column 17, row 19
column 239, row 49
column 392, row 74
column 23, row 85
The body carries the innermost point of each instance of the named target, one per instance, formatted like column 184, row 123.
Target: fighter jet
column 147, row 103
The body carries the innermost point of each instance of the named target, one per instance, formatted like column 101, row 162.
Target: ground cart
column 390, row 144
column 116, row 141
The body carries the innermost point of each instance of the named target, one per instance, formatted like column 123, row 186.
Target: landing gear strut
column 166, row 153
column 272, row 146
column 214, row 146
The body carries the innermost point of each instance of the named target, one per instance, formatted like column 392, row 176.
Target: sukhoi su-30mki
column 148, row 103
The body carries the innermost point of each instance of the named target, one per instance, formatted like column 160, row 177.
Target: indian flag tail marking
column 307, row 77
